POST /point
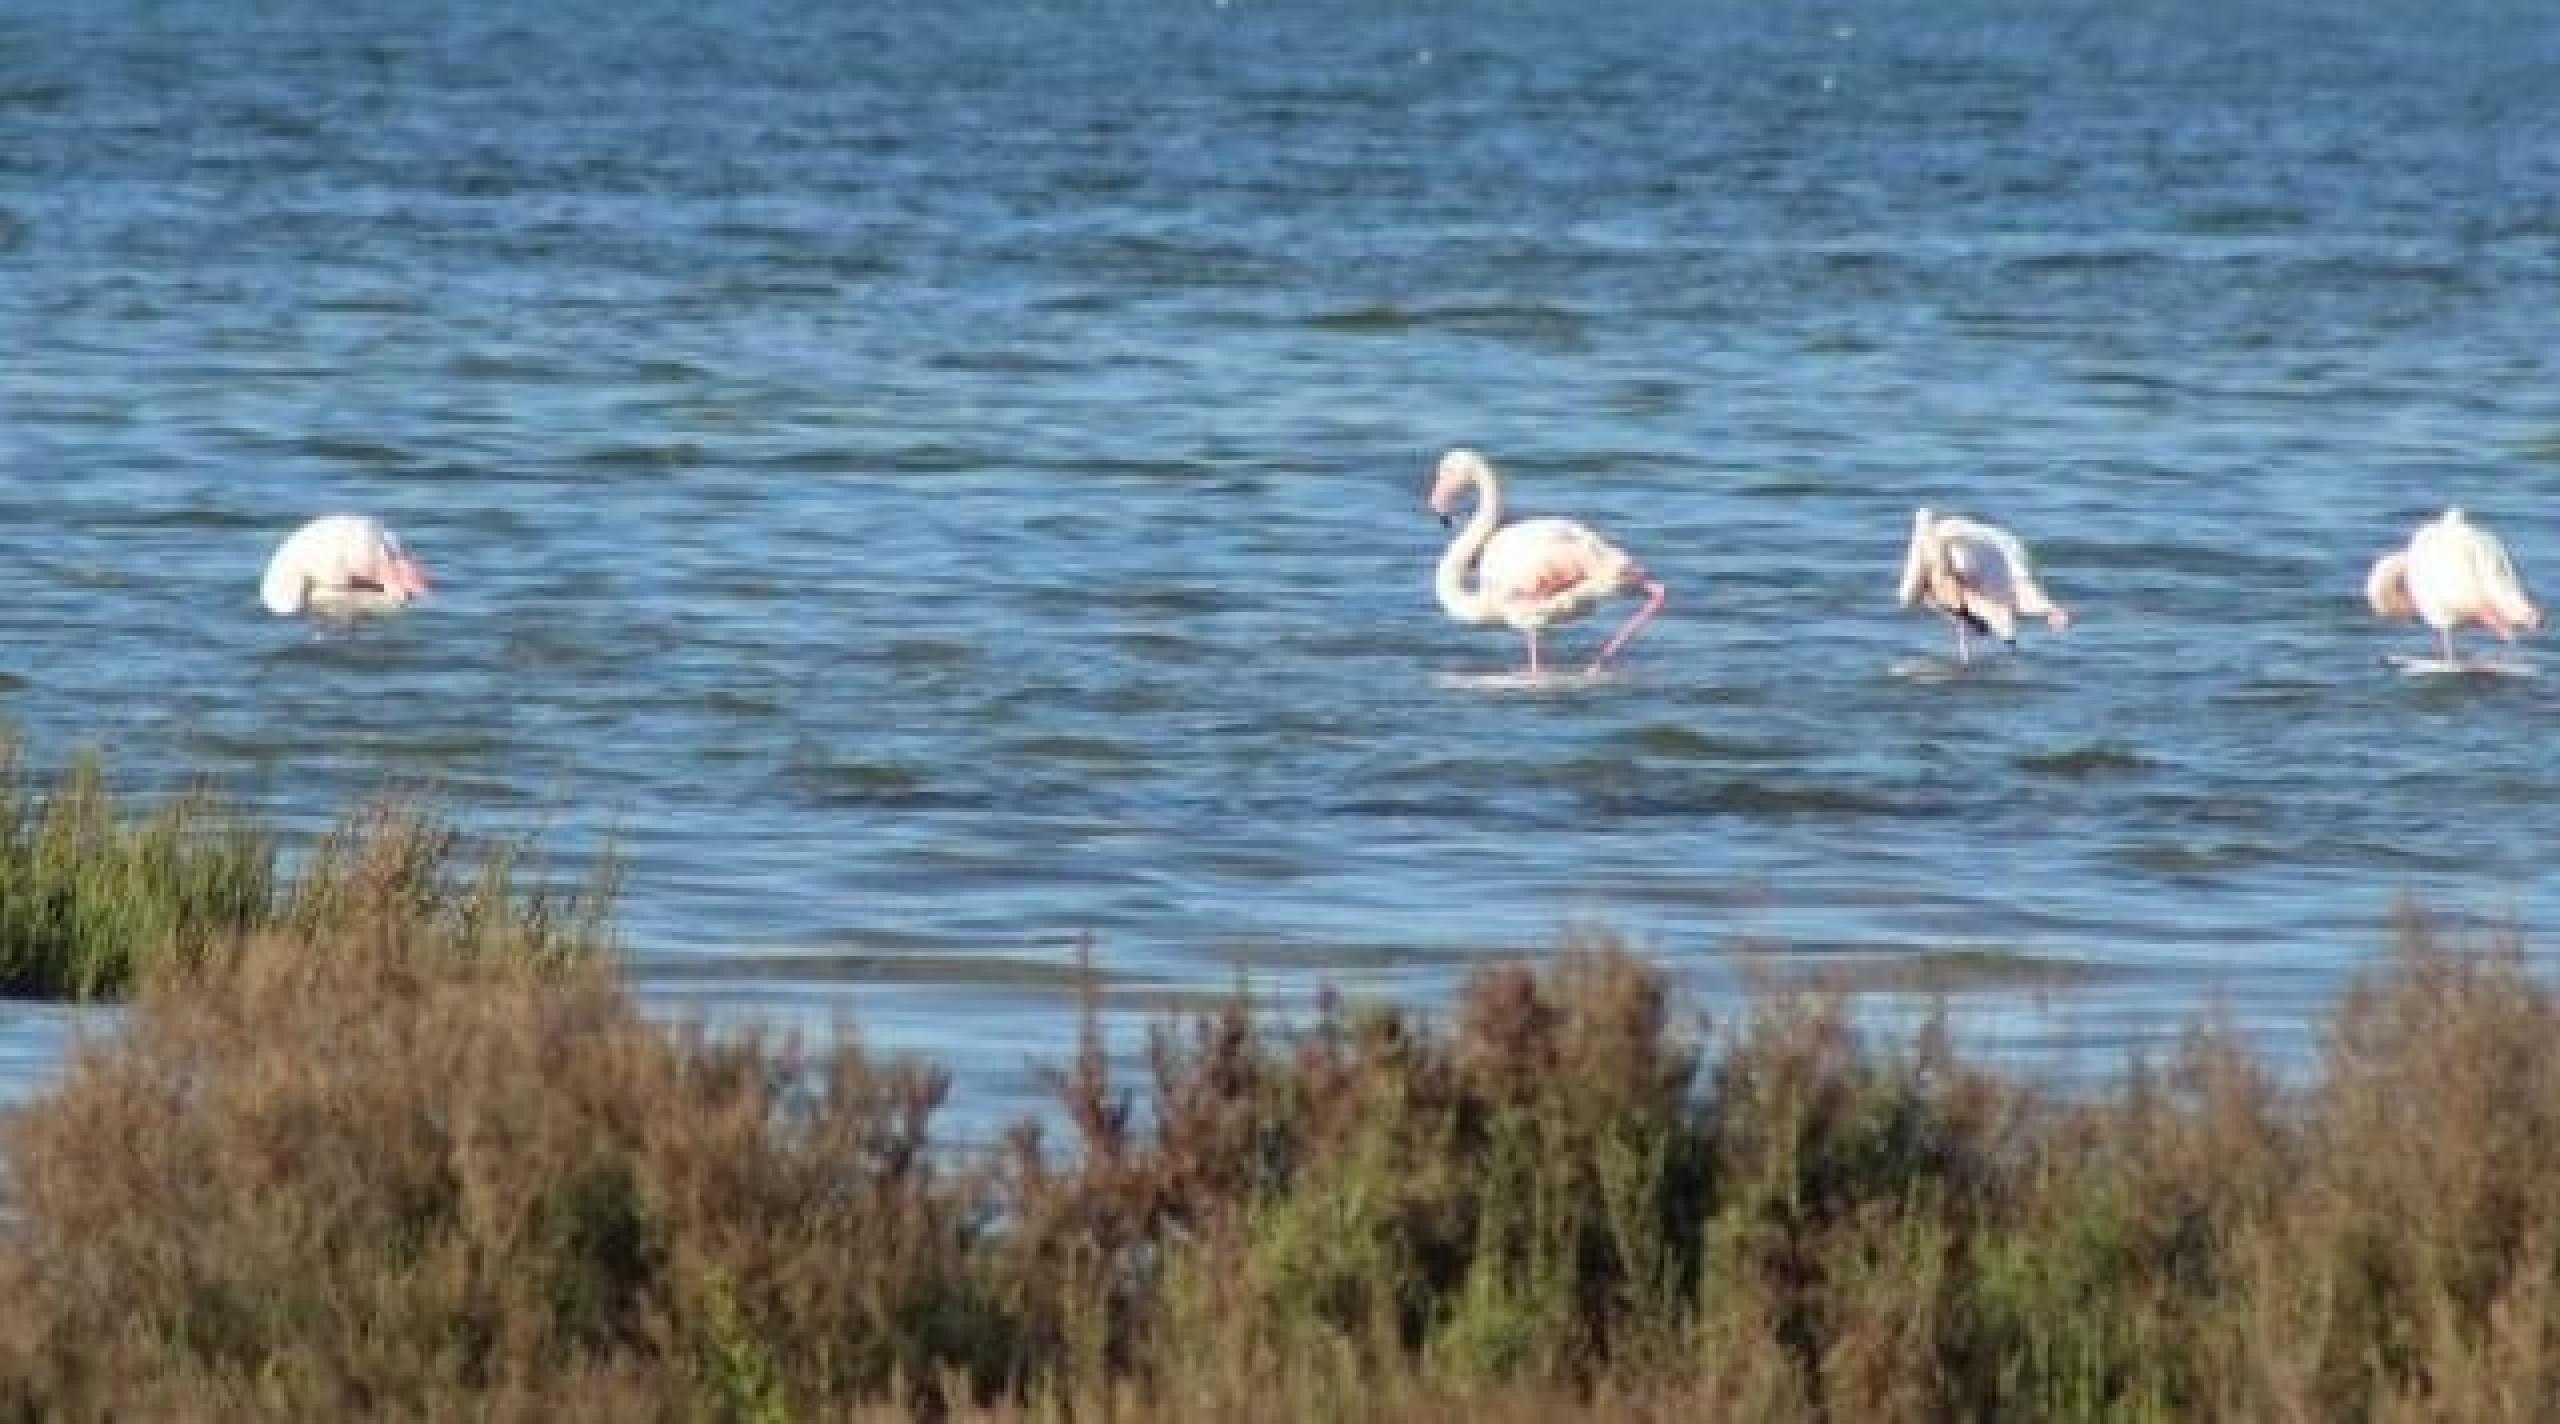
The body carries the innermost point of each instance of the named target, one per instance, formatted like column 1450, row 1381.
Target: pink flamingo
column 340, row 566
column 1530, row 574
column 2453, row 572
column 1978, row 575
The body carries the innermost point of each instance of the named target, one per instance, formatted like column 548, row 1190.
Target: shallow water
column 943, row 488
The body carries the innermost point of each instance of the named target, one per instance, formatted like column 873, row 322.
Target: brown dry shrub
column 353, row 1177
column 359, row 1170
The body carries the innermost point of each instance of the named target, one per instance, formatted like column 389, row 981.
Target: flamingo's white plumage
column 1978, row 575
column 1530, row 574
column 340, row 566
column 2452, row 572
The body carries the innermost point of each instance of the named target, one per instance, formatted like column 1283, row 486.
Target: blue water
column 938, row 485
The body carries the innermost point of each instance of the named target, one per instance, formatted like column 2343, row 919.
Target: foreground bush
column 93, row 897
column 352, row 1174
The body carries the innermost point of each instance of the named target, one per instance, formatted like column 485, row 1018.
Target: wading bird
column 1532, row 573
column 2453, row 572
column 1978, row 575
column 340, row 566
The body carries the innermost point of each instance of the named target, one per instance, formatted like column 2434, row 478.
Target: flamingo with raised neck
column 1533, row 573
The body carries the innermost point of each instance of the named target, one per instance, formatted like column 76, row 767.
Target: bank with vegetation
column 387, row 1137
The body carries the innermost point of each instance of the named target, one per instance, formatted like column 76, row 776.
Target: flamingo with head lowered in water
column 340, row 566
column 1531, row 573
column 1978, row 575
column 2453, row 572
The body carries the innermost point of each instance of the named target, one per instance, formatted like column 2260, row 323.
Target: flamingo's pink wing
column 1540, row 559
column 1564, row 569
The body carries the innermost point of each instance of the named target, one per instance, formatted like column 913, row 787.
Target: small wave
column 1963, row 969
column 1155, row 643
column 811, row 460
column 2090, row 260
column 730, row 229
column 1004, row 361
column 666, row 369
column 2346, row 268
column 1169, row 599
column 351, row 450
column 377, row 303
column 1067, row 747
column 272, row 121
column 2242, row 219
column 986, row 971
column 1671, row 739
column 2129, row 378
column 1365, row 318
column 1838, row 343
column 1504, row 319
column 2091, row 760
column 665, row 455
column 497, row 367
column 1679, row 741
column 1846, row 261
column 933, row 457
column 732, row 702
column 864, row 785
column 556, row 651
column 1130, row 468
column 1647, row 397
column 1750, row 799
column 2189, row 858
column 1079, row 303
column 1438, row 806
column 2204, row 560
column 193, row 518
column 39, row 94
column 929, row 653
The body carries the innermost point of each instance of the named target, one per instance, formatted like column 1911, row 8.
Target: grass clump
column 359, row 1173
column 90, row 897
column 94, row 897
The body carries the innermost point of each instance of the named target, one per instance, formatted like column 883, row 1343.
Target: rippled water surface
column 941, row 482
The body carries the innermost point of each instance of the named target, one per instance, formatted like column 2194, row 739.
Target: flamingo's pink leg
column 1533, row 651
column 1653, row 596
column 1964, row 645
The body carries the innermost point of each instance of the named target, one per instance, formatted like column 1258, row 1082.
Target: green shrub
column 95, row 898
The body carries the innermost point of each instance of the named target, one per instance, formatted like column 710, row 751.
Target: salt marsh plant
column 96, row 895
column 91, row 895
column 397, row 1151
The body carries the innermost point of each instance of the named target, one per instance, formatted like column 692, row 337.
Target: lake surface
column 940, row 483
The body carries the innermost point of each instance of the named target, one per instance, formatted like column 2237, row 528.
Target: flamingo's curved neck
column 1456, row 599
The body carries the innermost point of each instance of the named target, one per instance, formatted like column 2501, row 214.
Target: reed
column 91, row 896
column 96, row 896
column 350, row 1171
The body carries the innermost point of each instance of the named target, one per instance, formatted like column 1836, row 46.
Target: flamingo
column 1532, row 573
column 340, row 566
column 1978, row 575
column 2453, row 572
